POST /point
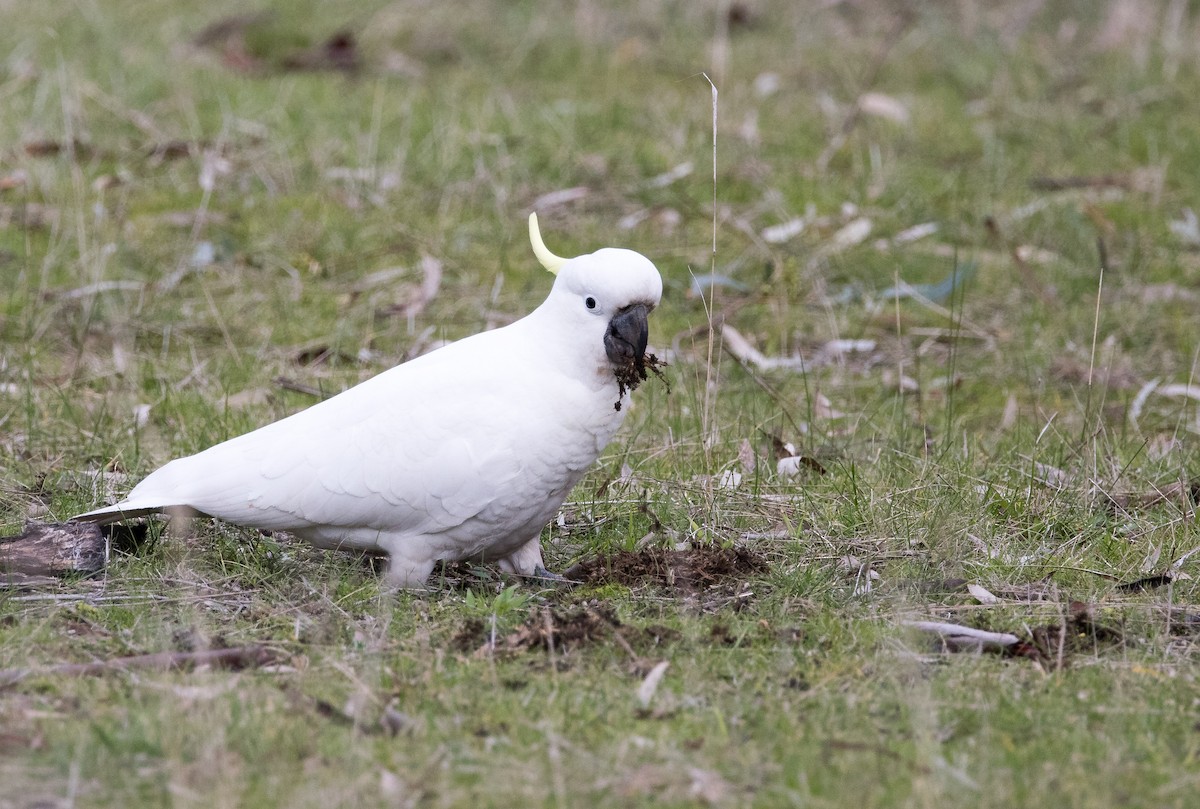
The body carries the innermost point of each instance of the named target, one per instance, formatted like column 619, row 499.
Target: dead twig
column 963, row 638
column 287, row 383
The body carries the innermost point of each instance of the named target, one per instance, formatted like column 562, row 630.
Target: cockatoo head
column 606, row 298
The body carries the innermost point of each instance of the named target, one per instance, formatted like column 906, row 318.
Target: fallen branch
column 745, row 352
column 962, row 638
column 53, row 549
column 287, row 383
column 235, row 657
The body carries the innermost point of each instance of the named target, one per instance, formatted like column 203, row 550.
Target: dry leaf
column 248, row 398
column 784, row 231
column 96, row 288
column 1051, row 476
column 856, row 232
column 707, row 786
column 554, row 199
column 649, row 686
column 767, row 84
column 822, row 408
column 981, row 594
column 391, row 787
column 792, row 465
column 14, row 180
column 884, row 106
column 188, row 695
column 1187, row 228
column 1011, row 411
column 1152, row 294
column 747, row 457
column 212, row 166
column 411, row 300
column 915, row 233
column 672, row 176
column 836, row 348
column 900, row 382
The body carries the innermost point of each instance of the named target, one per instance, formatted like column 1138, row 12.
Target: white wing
column 419, row 449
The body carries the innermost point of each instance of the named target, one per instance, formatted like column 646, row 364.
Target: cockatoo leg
column 525, row 560
column 406, row 573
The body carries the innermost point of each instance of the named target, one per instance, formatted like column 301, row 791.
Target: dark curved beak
column 628, row 332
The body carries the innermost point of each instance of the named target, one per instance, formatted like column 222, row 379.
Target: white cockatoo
column 463, row 453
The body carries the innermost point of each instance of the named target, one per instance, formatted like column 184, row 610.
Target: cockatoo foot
column 407, row 575
column 542, row 574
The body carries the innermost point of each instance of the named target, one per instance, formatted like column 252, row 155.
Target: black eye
column 589, row 302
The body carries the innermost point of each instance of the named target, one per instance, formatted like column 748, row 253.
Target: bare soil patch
column 687, row 571
column 563, row 631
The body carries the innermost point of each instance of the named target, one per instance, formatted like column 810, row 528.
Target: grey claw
column 541, row 573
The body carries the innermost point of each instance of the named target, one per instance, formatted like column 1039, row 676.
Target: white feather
column 466, row 452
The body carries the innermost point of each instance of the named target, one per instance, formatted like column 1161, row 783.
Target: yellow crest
column 548, row 260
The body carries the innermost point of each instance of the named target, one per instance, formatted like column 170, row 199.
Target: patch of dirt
column 687, row 570
column 1182, row 621
column 709, row 578
column 468, row 637
column 722, row 635
column 1183, row 493
column 564, row 631
column 1053, row 645
column 552, row 630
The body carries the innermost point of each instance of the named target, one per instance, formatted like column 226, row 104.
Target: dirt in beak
column 635, row 372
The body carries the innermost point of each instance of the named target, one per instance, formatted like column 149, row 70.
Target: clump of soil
column 635, row 372
column 468, row 637
column 565, row 631
column 689, row 570
column 561, row 631
column 1053, row 645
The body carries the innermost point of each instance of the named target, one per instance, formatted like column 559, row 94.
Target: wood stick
column 958, row 638
column 53, row 549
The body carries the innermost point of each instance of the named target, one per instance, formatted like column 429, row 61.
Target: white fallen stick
column 743, row 350
column 649, row 686
column 959, row 638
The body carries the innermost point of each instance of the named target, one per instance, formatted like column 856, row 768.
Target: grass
column 130, row 153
